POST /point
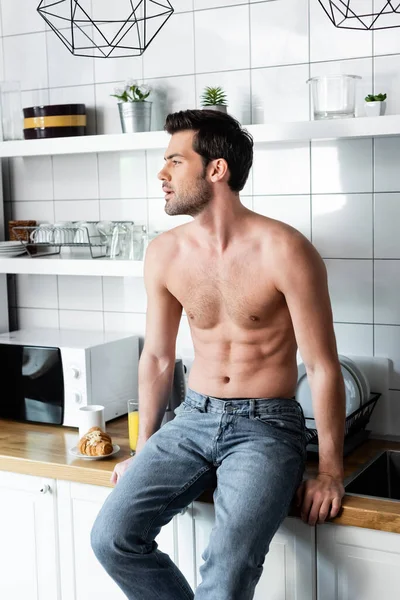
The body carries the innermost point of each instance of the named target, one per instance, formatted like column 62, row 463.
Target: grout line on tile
column 194, row 57
column 373, row 241
column 353, row 323
column 250, row 74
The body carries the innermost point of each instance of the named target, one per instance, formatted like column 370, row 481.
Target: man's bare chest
column 243, row 296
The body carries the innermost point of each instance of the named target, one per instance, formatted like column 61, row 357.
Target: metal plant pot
column 375, row 109
column 135, row 116
column 220, row 107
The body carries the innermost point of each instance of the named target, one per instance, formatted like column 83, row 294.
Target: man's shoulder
column 282, row 234
column 165, row 245
column 284, row 242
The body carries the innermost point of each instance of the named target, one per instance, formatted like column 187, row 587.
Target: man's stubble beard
column 191, row 202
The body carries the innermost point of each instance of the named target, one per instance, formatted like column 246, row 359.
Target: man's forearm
column 329, row 402
column 155, row 384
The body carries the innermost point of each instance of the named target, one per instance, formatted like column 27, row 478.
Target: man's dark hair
column 218, row 135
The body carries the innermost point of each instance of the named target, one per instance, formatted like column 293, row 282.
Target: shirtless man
column 254, row 289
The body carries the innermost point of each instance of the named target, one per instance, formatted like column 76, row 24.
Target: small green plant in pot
column 375, row 105
column 214, row 98
column 134, row 108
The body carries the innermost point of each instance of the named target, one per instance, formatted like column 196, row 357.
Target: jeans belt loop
column 252, row 408
column 206, row 403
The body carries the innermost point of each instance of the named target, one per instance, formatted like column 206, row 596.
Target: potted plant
column 375, row 105
column 214, row 98
column 134, row 108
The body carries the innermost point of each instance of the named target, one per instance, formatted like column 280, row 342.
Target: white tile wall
column 343, row 43
column 121, row 175
column 218, row 47
column 386, row 233
column 344, row 196
column 279, row 33
column 172, row 50
column 350, row 287
column 343, row 166
column 25, row 60
column 77, row 293
column 75, row 177
column 28, row 20
column 274, row 162
column 31, row 178
column 342, row 225
column 289, row 85
column 387, row 157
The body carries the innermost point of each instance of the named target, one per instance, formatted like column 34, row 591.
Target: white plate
column 12, row 248
column 9, row 244
column 303, row 391
column 360, row 376
column 13, row 253
column 75, row 452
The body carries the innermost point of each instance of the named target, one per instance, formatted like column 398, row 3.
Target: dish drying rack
column 98, row 245
column 355, row 427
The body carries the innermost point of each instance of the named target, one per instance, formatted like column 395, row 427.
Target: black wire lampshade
column 108, row 30
column 363, row 14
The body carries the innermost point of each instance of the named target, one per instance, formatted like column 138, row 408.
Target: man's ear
column 218, row 169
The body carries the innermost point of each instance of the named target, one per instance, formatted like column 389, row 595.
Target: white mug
column 43, row 233
column 63, row 233
column 91, row 416
column 86, row 232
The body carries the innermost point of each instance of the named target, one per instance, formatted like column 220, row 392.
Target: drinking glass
column 134, row 242
column 11, row 110
column 118, row 240
column 133, row 424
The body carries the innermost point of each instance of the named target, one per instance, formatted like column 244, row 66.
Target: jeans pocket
column 289, row 426
column 185, row 408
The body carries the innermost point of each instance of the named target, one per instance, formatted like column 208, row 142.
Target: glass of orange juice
column 133, row 424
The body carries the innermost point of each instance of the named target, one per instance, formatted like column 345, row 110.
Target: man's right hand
column 120, row 469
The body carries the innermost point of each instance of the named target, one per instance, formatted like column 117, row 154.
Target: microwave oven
column 51, row 373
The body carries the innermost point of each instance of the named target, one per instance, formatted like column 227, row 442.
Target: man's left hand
column 320, row 498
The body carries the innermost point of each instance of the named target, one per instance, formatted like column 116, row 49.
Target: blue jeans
column 253, row 448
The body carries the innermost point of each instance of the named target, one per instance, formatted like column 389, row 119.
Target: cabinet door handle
column 45, row 489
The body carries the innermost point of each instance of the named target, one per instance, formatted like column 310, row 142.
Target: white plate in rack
column 75, row 452
column 359, row 375
column 352, row 388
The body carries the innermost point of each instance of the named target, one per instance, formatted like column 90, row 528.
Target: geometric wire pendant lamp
column 110, row 29
column 363, row 14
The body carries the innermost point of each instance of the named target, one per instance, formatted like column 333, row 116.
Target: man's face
column 183, row 177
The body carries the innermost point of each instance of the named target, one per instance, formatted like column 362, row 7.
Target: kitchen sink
column 379, row 478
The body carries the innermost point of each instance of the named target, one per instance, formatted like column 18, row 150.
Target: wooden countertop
column 42, row 450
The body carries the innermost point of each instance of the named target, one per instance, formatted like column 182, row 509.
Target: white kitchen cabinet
column 357, row 564
column 82, row 576
column 289, row 568
column 28, row 534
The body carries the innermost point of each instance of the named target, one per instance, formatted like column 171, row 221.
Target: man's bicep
column 163, row 313
column 307, row 296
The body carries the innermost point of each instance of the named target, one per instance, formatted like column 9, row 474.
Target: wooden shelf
column 54, row 265
column 280, row 132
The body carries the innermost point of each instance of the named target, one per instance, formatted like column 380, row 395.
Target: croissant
column 95, row 443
